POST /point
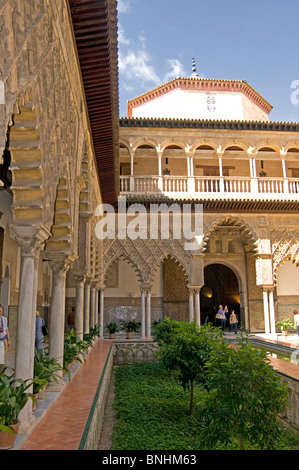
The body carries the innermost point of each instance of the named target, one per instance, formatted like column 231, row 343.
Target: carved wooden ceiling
column 95, row 29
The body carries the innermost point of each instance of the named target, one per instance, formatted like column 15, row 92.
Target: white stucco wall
column 129, row 285
column 195, row 104
column 288, row 279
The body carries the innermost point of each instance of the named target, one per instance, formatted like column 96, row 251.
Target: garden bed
column 151, row 413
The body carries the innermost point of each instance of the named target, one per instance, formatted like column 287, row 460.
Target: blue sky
column 257, row 41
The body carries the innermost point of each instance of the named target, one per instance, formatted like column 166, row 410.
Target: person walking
column 233, row 322
column 296, row 320
column 39, row 337
column 71, row 320
column 4, row 338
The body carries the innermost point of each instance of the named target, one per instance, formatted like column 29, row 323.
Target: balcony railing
column 227, row 187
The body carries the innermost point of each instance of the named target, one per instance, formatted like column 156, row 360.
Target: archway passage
column 221, row 288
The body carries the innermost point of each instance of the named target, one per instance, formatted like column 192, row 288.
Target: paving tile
column 63, row 425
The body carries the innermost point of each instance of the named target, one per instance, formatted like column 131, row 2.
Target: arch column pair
column 146, row 332
column 194, row 310
column 31, row 241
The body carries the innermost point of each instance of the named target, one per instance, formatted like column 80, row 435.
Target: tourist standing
column 39, row 337
column 71, row 320
column 4, row 338
column 233, row 322
column 296, row 320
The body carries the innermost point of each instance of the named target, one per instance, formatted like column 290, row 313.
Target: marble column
column 143, row 292
column 102, row 297
column 79, row 310
column 272, row 311
column 86, row 306
column 31, row 241
column 92, row 306
column 25, row 341
column 197, row 306
column 57, row 316
column 266, row 310
column 191, row 305
column 148, row 315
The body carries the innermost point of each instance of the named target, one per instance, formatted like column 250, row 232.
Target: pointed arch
column 123, row 257
column 231, row 221
column 177, row 260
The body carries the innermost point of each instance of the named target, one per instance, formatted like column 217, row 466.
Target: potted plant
column 130, row 326
column 284, row 325
column 74, row 350
column 13, row 397
column 45, row 369
column 112, row 327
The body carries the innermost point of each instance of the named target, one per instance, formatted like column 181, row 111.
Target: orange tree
column 186, row 347
column 246, row 397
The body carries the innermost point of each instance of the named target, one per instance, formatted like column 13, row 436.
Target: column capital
column 31, row 240
column 60, row 264
column 194, row 288
column 146, row 287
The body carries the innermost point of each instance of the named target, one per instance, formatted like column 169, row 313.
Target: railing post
column 132, row 184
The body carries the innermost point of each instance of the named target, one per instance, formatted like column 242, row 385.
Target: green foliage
column 112, row 327
column 162, row 331
column 246, row 397
column 74, row 348
column 131, row 326
column 285, row 325
column 186, row 347
column 151, row 411
column 13, row 397
column 45, row 369
column 93, row 333
column 151, row 414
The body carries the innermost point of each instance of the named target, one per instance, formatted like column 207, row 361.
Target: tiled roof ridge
column 198, row 83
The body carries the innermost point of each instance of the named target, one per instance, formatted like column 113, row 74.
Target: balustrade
column 208, row 185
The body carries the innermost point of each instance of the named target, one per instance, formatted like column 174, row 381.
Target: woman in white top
column 4, row 338
column 296, row 320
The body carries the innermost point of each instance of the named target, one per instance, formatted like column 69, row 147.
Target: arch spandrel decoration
column 145, row 255
column 285, row 247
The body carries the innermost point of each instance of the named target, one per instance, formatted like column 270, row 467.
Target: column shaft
column 86, row 307
column 148, row 312
column 272, row 312
column 191, row 306
column 266, row 311
column 142, row 313
column 79, row 308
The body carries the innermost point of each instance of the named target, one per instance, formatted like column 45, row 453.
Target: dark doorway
column 221, row 287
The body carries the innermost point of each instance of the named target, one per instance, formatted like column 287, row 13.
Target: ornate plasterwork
column 285, row 247
column 145, row 256
column 245, row 230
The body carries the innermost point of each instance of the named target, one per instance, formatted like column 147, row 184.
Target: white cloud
column 122, row 40
column 176, row 70
column 135, row 66
column 123, row 6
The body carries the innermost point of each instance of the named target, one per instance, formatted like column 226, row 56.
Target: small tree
column 246, row 397
column 186, row 347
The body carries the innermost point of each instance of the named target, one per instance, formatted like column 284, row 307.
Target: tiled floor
column 62, row 425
